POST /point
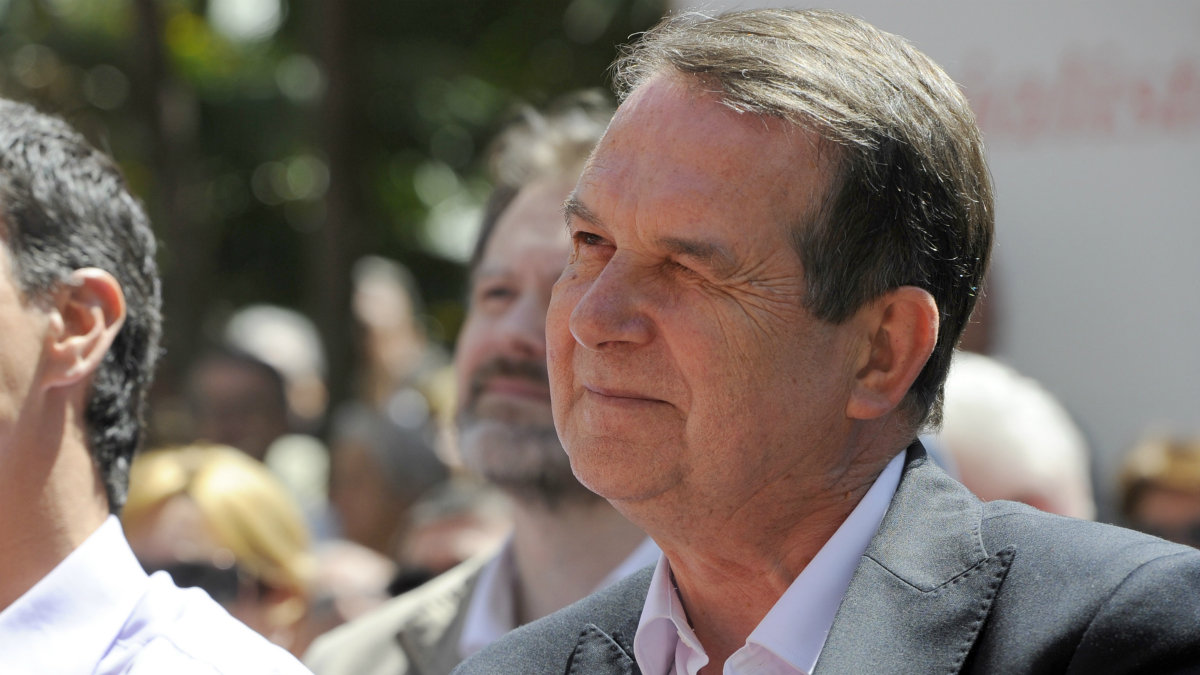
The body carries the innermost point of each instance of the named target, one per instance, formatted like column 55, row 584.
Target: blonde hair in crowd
column 248, row 510
column 1163, row 463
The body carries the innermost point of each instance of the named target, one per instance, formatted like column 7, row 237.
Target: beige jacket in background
column 416, row 633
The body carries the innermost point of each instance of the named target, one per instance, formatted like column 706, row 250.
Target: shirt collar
column 492, row 610
column 69, row 619
column 795, row 629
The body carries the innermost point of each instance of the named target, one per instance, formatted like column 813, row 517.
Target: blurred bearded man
column 566, row 541
column 777, row 244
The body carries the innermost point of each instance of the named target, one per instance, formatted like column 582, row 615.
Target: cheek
column 19, row 358
column 560, row 343
column 738, row 367
column 470, row 351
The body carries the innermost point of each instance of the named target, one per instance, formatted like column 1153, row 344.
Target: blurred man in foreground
column 566, row 542
column 79, row 331
column 777, row 244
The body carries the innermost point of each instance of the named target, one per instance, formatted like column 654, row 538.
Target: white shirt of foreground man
column 790, row 637
column 99, row 613
column 493, row 608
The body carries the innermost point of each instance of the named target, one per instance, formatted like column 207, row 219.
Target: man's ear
column 901, row 330
column 87, row 313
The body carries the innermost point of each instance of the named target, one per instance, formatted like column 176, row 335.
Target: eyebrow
column 483, row 273
column 573, row 208
column 716, row 257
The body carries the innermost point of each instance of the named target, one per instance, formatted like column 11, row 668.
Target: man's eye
column 681, row 268
column 589, row 239
column 496, row 292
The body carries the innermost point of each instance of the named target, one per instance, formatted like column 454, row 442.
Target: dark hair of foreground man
column 66, row 207
column 79, row 333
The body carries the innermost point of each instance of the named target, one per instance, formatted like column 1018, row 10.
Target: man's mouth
column 510, row 379
column 618, row 396
column 516, row 387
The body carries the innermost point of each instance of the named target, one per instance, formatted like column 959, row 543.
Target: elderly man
column 79, row 331
column 566, row 541
column 776, row 246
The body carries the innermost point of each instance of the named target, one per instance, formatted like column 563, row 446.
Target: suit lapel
column 598, row 653
column 431, row 639
column 925, row 585
column 606, row 646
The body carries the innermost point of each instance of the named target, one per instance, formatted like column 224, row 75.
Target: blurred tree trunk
column 170, row 112
column 339, row 241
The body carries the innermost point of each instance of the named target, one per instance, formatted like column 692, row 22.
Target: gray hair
column 911, row 200
column 537, row 144
column 1012, row 439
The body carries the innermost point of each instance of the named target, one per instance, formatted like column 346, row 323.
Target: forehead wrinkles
column 674, row 138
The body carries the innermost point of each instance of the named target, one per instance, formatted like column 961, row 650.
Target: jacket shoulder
column 1053, row 541
column 544, row 647
column 1150, row 623
column 370, row 644
column 1084, row 597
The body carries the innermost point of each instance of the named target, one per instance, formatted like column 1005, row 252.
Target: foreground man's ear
column 87, row 313
column 900, row 330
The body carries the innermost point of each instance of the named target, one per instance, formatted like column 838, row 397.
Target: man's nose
column 522, row 330
column 609, row 314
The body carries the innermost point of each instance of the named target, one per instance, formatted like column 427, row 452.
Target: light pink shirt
column 791, row 635
column 97, row 613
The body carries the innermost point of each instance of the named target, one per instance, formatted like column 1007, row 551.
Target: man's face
column 22, row 332
column 360, row 492
column 237, row 405
column 506, row 429
column 681, row 356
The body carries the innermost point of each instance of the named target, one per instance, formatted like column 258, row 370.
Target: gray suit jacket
column 948, row 585
column 416, row 633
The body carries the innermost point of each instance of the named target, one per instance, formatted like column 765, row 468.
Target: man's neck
column 732, row 562
column 52, row 499
column 562, row 553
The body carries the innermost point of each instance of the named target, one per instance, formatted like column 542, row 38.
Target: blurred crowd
column 394, row 497
column 299, row 516
column 298, row 531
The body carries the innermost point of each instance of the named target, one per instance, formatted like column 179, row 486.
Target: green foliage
column 228, row 145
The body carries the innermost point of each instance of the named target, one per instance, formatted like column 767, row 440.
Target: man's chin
column 527, row 461
column 621, row 476
column 549, row 492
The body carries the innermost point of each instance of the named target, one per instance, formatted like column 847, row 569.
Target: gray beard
column 525, row 460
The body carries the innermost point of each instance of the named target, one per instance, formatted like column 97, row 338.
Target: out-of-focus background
column 276, row 142
column 314, row 171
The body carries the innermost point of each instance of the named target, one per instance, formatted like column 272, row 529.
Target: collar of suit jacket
column 916, row 604
column 924, row 587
